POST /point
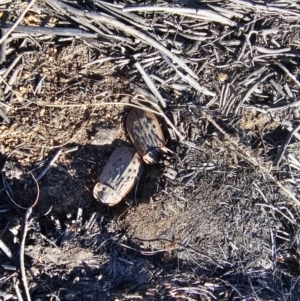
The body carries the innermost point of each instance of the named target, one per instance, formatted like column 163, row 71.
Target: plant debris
column 218, row 218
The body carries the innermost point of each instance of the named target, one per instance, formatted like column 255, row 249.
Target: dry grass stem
column 20, row 18
column 218, row 217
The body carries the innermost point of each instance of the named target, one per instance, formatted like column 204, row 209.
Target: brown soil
column 219, row 230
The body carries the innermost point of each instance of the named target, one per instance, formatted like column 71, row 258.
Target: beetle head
column 155, row 155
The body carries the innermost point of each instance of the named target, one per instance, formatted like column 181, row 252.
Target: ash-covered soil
column 213, row 221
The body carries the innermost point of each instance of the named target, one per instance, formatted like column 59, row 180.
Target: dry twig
column 291, row 134
column 204, row 14
column 22, row 244
column 51, row 162
column 6, row 250
column 150, row 84
column 30, row 4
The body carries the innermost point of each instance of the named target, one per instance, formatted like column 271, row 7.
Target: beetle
column 118, row 176
column 146, row 135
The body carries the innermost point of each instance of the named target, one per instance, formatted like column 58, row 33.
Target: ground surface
column 225, row 227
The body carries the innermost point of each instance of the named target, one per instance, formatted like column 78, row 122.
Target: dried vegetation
column 218, row 220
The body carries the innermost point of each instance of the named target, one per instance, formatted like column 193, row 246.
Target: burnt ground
column 220, row 229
